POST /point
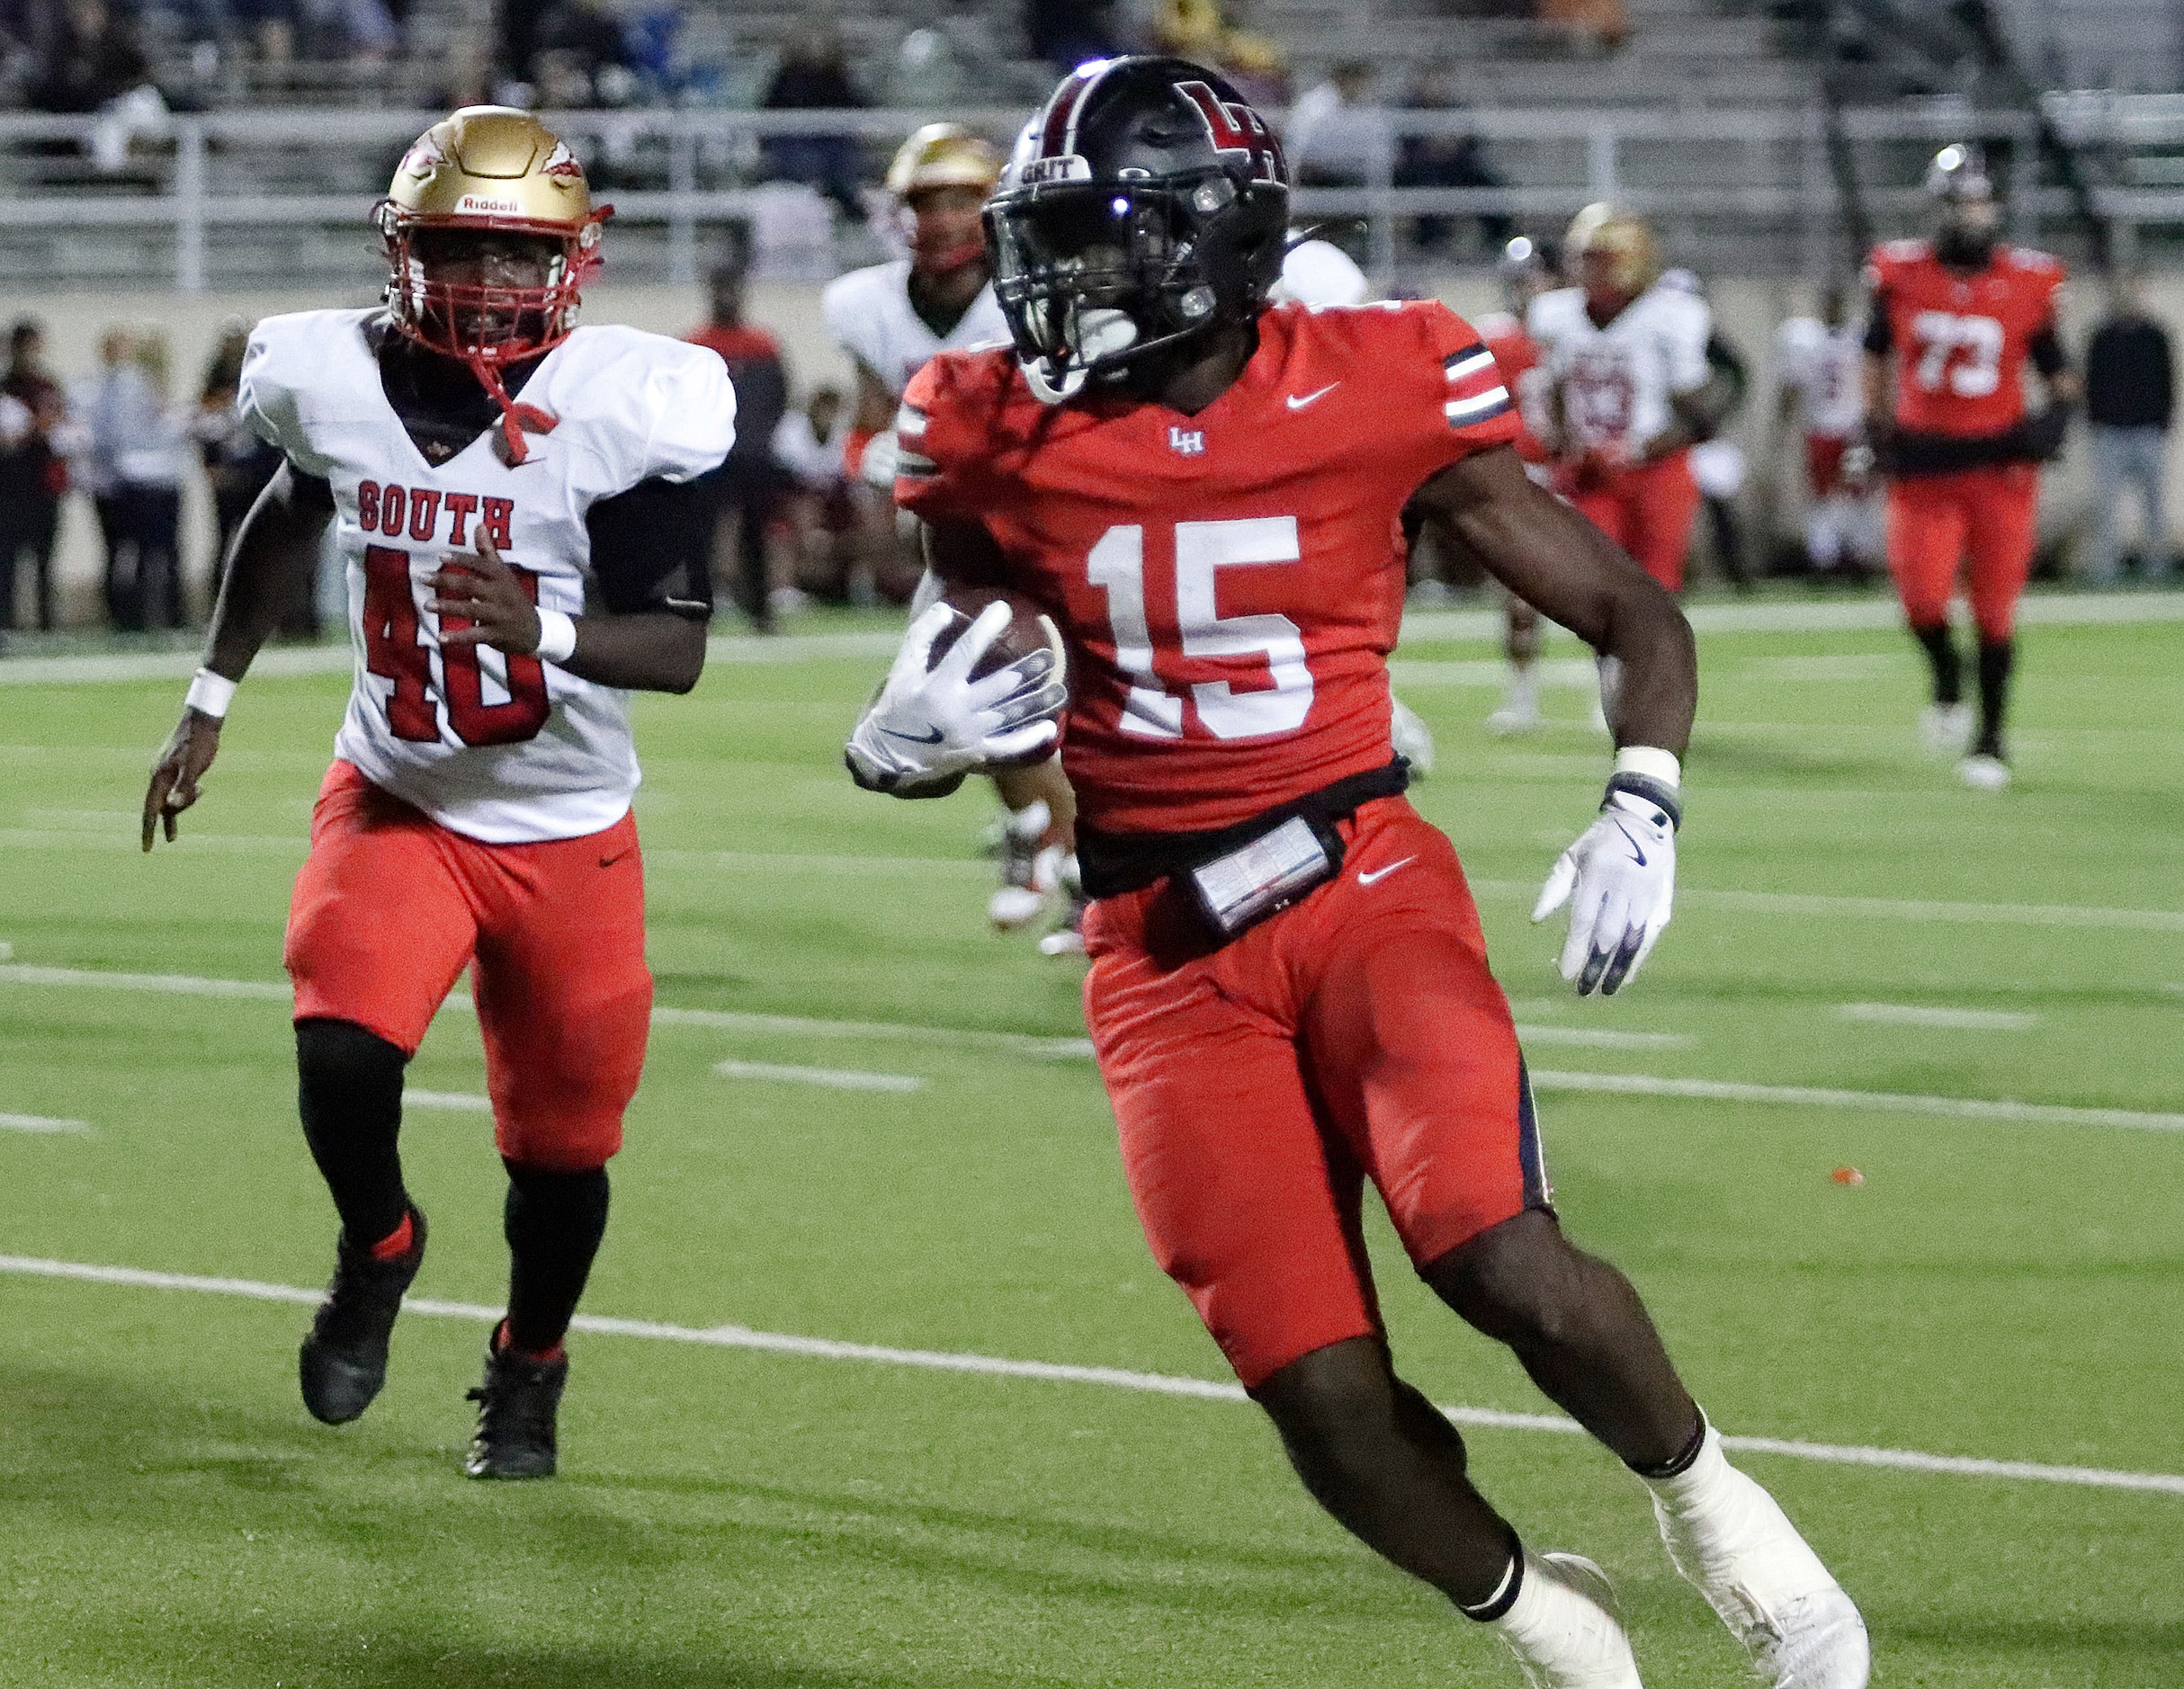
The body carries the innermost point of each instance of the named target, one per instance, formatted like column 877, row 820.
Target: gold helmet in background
column 489, row 168
column 944, row 155
column 1620, row 233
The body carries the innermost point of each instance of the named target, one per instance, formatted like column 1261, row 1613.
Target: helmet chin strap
column 515, row 416
column 1102, row 331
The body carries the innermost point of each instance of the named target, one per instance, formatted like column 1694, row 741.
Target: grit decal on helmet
column 1144, row 208
column 490, row 169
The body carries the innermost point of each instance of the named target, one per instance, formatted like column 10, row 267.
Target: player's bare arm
column 278, row 540
column 1551, row 557
column 646, row 651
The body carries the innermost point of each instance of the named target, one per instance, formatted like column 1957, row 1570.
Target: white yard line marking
column 2053, row 610
column 1047, row 1372
column 1486, row 671
column 453, row 1102
column 828, row 1078
column 711, row 1020
column 1893, row 909
column 7, row 952
column 1600, row 1037
column 1080, row 1049
column 1874, row 1102
column 1951, row 1020
column 43, row 1124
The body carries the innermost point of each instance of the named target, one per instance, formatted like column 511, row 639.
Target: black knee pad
column 547, row 1203
column 346, row 1072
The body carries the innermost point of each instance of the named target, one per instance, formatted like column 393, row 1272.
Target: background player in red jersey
column 1289, row 992
column 1954, row 321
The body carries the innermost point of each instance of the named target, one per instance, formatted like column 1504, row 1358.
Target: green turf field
column 2006, row 1287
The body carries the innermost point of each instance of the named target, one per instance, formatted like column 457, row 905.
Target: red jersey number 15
column 393, row 652
column 1154, row 709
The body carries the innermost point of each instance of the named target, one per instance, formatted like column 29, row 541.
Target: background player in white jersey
column 1626, row 372
column 891, row 318
column 1822, row 362
column 515, row 501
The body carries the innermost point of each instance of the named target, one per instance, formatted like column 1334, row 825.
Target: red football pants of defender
column 389, row 908
column 1648, row 510
column 1987, row 520
column 1257, row 1086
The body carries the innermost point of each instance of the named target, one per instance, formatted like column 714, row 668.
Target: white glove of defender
column 877, row 468
column 935, row 725
column 1619, row 879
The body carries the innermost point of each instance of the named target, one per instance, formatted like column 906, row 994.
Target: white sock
column 1705, row 1487
column 1719, row 1524
column 1522, row 699
column 1557, row 1626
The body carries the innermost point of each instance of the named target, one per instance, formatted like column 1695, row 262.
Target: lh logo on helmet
column 1235, row 127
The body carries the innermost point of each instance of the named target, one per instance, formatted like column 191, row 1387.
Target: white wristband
column 556, row 636
column 209, row 694
column 1651, row 762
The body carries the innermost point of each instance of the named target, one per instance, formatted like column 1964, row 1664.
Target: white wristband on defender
column 1652, row 762
column 556, row 636
column 209, row 694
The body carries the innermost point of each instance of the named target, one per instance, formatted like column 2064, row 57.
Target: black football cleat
column 516, row 1404
column 343, row 1363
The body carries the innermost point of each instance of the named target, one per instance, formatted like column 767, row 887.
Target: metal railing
column 1762, row 170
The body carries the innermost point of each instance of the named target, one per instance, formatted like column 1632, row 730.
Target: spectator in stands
column 1338, row 132
column 814, row 76
column 92, row 59
column 1447, row 161
column 1600, row 26
column 1066, row 33
column 1199, row 31
column 2130, row 401
column 33, row 470
column 137, row 456
column 592, row 63
column 237, row 464
column 750, row 478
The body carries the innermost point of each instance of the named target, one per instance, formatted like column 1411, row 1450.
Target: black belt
column 1112, row 864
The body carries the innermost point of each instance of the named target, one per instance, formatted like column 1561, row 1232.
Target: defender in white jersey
column 1624, row 358
column 1821, row 362
column 518, row 503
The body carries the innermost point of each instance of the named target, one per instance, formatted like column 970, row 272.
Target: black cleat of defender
column 343, row 1363
column 516, row 1406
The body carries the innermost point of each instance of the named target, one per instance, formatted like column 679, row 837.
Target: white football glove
column 929, row 727
column 877, row 468
column 1619, row 879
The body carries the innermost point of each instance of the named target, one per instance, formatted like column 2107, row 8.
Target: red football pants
column 1987, row 520
column 1648, row 511
column 1357, row 1035
column 390, row 906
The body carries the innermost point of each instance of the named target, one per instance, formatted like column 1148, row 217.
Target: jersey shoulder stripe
column 1476, row 393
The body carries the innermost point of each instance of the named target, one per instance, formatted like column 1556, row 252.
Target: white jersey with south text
column 1824, row 367
column 869, row 313
column 507, row 750
column 1614, row 382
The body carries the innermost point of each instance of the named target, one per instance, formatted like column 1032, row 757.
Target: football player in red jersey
column 1953, row 323
column 1289, row 992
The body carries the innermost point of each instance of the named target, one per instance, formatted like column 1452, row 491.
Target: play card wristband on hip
column 1652, row 776
column 209, row 694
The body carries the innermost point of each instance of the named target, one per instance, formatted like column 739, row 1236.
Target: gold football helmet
column 1622, row 235
column 944, row 155
column 489, row 168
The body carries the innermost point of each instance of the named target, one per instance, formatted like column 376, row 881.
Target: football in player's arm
column 1288, row 981
column 1952, row 324
column 518, row 506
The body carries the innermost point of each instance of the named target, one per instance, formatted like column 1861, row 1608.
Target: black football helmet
column 1968, row 222
column 1144, row 207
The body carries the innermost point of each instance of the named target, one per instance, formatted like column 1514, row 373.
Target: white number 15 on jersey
column 1202, row 549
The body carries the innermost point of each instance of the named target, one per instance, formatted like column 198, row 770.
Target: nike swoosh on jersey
column 1379, row 875
column 933, row 737
column 1299, row 401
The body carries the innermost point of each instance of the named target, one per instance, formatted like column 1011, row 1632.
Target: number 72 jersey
column 1230, row 583
column 1959, row 341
